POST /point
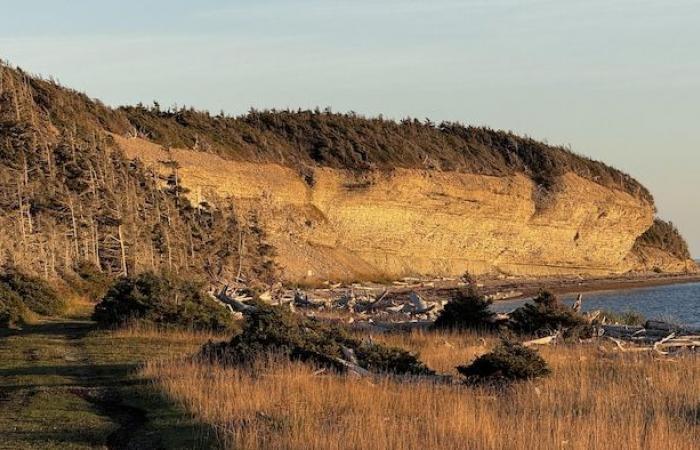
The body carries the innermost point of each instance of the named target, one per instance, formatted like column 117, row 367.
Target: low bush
column 272, row 329
column 35, row 293
column 466, row 310
column 547, row 315
column 13, row 312
column 506, row 363
column 162, row 300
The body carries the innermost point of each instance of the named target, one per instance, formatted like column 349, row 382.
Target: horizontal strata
column 410, row 221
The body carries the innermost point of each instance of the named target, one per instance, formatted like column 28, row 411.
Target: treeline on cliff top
column 350, row 141
column 306, row 138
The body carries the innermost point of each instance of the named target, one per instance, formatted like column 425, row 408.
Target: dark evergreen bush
column 547, row 315
column 13, row 312
column 506, row 363
column 35, row 293
column 162, row 300
column 272, row 329
column 466, row 310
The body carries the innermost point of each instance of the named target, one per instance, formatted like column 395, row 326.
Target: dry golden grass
column 593, row 400
column 171, row 335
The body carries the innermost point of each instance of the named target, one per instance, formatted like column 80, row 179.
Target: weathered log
column 420, row 306
column 378, row 302
column 352, row 368
column 622, row 348
column 542, row 341
column 236, row 303
column 618, row 331
column 657, row 344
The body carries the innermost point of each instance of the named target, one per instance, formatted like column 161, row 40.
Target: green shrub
column 506, row 363
column 13, row 312
column 162, row 300
column 35, row 293
column 547, row 315
column 272, row 329
column 466, row 310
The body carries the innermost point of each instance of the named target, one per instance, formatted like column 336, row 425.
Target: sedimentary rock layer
column 387, row 224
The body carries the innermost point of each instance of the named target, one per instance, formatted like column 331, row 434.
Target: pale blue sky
column 618, row 80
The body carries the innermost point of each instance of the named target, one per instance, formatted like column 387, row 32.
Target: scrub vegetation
column 593, row 398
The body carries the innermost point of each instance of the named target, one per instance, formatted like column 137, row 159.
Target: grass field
column 594, row 399
column 64, row 384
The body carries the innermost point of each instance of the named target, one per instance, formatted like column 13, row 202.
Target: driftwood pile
column 399, row 308
column 366, row 308
column 658, row 336
column 655, row 335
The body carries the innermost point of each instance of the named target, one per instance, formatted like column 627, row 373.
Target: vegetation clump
column 162, row 300
column 271, row 329
column 35, row 293
column 547, row 315
column 507, row 363
column 664, row 236
column 467, row 309
column 13, row 312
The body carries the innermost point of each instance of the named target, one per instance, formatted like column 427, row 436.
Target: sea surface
column 679, row 303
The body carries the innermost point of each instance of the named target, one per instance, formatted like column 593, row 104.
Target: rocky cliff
column 305, row 195
column 407, row 222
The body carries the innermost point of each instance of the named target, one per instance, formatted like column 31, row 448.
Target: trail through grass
column 64, row 384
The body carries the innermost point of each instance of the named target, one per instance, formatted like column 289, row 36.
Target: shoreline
column 502, row 289
column 529, row 288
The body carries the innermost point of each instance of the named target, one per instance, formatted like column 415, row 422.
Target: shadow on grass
column 50, row 439
column 100, row 375
column 68, row 329
column 139, row 416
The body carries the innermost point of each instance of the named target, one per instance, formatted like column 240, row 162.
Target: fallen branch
column 236, row 303
column 542, row 341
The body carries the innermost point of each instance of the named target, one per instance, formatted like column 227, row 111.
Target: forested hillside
column 67, row 195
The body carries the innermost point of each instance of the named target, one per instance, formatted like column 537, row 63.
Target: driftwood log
column 236, row 303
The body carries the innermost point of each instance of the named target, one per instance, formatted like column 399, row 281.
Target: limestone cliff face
column 388, row 224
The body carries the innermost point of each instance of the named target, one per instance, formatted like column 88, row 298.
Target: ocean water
column 679, row 303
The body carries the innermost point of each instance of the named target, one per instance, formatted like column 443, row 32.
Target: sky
column 618, row 80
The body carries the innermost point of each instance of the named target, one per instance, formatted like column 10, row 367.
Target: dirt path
column 65, row 385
